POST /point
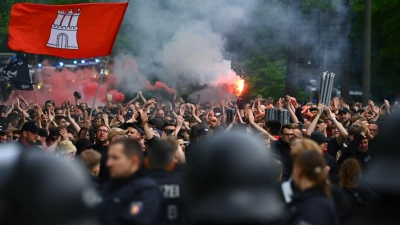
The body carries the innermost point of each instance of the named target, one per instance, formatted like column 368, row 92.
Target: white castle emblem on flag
column 64, row 30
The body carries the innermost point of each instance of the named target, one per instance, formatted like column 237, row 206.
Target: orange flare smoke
column 240, row 84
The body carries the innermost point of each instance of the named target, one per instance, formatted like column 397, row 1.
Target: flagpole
column 98, row 87
column 34, row 93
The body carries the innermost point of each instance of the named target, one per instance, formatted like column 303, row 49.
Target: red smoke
column 60, row 86
column 159, row 85
column 231, row 83
column 129, row 65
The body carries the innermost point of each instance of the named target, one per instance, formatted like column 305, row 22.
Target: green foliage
column 307, row 5
column 301, row 95
column 265, row 77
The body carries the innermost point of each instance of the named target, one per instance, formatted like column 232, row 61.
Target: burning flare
column 240, row 85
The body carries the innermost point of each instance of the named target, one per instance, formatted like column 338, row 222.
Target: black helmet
column 231, row 178
column 382, row 174
column 38, row 188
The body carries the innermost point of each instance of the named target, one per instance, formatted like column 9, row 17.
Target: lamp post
column 366, row 78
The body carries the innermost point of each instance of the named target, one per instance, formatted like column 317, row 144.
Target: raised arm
column 146, row 129
column 313, row 124
column 193, row 111
column 256, row 127
column 343, row 133
column 72, row 121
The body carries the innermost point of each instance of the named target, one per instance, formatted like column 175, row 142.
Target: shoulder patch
column 136, row 208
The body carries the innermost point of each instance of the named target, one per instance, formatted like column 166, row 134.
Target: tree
column 265, row 77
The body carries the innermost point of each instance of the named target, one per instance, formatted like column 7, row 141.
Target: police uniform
column 136, row 200
column 174, row 207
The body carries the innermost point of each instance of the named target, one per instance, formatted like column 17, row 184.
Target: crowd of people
column 171, row 162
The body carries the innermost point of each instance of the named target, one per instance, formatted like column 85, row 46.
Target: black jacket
column 282, row 149
column 311, row 207
column 174, row 207
column 334, row 171
column 362, row 203
column 104, row 174
column 31, row 147
column 351, row 151
column 136, row 200
column 333, row 147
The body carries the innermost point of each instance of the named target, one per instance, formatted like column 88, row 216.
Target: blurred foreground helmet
column 232, row 179
column 39, row 189
column 382, row 175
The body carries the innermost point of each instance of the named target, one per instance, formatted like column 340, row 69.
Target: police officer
column 231, row 179
column 128, row 197
column 161, row 159
column 39, row 189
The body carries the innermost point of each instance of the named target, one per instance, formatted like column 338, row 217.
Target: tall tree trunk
column 366, row 81
column 345, row 57
column 291, row 61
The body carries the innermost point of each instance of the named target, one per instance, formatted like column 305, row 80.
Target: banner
column 67, row 31
column 17, row 74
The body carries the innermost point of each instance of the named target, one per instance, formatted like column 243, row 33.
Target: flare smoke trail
column 181, row 41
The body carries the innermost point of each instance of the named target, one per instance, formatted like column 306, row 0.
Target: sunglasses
column 15, row 137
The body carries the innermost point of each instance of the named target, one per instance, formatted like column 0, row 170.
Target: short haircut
column 90, row 158
column 58, row 118
column 354, row 129
column 102, row 125
column 287, row 126
column 298, row 128
column 161, row 154
column 305, row 145
column 172, row 140
column 274, row 126
column 57, row 108
column 71, row 131
column 131, row 147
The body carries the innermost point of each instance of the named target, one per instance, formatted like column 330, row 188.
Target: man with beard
column 344, row 117
column 101, row 146
column 29, row 132
column 281, row 148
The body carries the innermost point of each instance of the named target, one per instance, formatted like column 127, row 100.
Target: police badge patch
column 136, row 208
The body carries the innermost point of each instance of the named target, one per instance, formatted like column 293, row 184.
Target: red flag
column 68, row 31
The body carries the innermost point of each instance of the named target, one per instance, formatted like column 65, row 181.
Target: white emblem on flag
column 64, row 30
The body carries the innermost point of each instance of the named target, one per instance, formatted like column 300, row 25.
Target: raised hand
column 179, row 121
column 144, row 117
column 320, row 107
column 120, row 119
column 330, row 114
column 51, row 115
column 249, row 115
column 105, row 118
column 64, row 134
column 364, row 127
column 88, row 124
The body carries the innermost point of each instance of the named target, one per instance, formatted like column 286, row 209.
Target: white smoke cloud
column 185, row 40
